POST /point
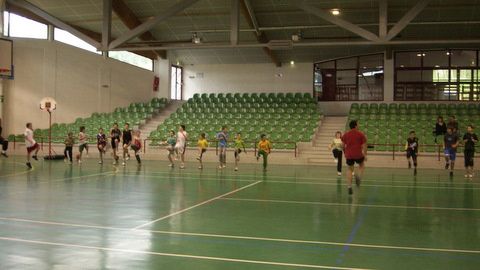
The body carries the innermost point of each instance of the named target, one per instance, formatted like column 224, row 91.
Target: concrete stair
column 152, row 124
column 318, row 152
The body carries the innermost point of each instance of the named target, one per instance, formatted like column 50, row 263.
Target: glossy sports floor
column 292, row 217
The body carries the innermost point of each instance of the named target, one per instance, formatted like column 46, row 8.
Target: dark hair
column 115, row 124
column 82, row 128
column 202, row 135
column 263, row 136
column 28, row 124
column 172, row 131
column 224, row 127
column 338, row 132
column 183, row 127
column 127, row 124
column 100, row 129
column 412, row 132
column 470, row 126
column 440, row 117
column 353, row 124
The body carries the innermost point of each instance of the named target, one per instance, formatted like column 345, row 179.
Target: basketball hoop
column 48, row 104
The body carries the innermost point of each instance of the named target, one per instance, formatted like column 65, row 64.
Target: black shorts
column 411, row 153
column 204, row 150
column 469, row 155
column 114, row 144
column 351, row 162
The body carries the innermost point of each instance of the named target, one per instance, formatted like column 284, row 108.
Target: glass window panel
column 371, row 61
column 67, row 38
column 453, row 75
column 439, row 75
column 464, row 58
column 370, row 85
column 347, row 63
column 476, row 75
column 132, row 59
column 407, row 59
column 26, row 28
column 6, row 19
column 435, row 59
column 409, row 75
column 329, row 64
column 465, row 75
column 347, row 77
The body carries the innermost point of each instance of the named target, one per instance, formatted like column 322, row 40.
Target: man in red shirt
column 355, row 145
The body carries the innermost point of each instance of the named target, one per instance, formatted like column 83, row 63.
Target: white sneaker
column 339, row 173
column 182, row 166
column 79, row 161
column 236, row 168
column 224, row 166
column 200, row 167
column 170, row 165
column 128, row 158
column 100, row 162
column 114, row 163
column 467, row 175
column 470, row 175
column 123, row 163
column 220, row 167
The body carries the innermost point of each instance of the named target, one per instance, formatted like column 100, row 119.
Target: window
column 349, row 79
column 437, row 75
column 18, row 26
column 132, row 59
column 176, row 86
column 67, row 38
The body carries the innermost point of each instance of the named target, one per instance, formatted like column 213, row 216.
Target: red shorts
column 32, row 148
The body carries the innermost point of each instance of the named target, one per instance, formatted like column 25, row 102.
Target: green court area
column 292, row 217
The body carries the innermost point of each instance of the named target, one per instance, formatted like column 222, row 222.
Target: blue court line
column 356, row 227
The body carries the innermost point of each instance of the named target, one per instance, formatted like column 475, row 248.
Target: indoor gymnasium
column 239, row 134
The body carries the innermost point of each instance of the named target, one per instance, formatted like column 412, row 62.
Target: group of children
column 451, row 141
column 176, row 146
column 127, row 138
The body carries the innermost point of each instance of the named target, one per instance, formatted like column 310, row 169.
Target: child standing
column 336, row 146
column 137, row 145
column 68, row 152
column 202, row 148
column 450, row 143
column 115, row 135
column 126, row 142
column 171, row 142
column 239, row 145
column 82, row 143
column 30, row 144
column 101, row 144
column 181, row 145
column 3, row 142
column 222, row 138
column 469, row 140
column 412, row 150
column 264, row 149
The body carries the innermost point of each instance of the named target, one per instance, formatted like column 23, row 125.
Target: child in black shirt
column 469, row 141
column 412, row 150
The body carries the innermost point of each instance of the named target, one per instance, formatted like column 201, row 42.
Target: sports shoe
column 236, row 168
column 124, row 164
column 220, row 167
column 200, row 167
column 446, row 166
column 224, row 166
column 128, row 157
column 79, row 161
column 470, row 176
column 4, row 154
column 182, row 166
column 114, row 162
column 35, row 157
column 339, row 173
column 198, row 158
column 100, row 162
column 357, row 180
column 170, row 165
column 29, row 165
column 350, row 191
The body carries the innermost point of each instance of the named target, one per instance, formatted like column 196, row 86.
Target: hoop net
column 48, row 104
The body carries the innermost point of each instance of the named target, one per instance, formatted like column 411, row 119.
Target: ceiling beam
column 189, row 46
column 54, row 21
column 234, row 21
column 336, row 20
column 382, row 18
column 249, row 15
column 126, row 15
column 107, row 24
column 146, row 26
column 407, row 18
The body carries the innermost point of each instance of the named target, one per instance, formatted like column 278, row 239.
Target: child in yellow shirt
column 202, row 148
column 264, row 149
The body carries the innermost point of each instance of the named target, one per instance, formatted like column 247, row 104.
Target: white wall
column 81, row 82
column 247, row 78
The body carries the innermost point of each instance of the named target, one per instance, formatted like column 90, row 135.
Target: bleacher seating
column 135, row 114
column 391, row 123
column 283, row 117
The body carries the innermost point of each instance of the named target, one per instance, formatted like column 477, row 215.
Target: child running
column 3, row 142
column 68, row 152
column 469, row 140
column 30, row 144
column 239, row 145
column 82, row 143
column 264, row 149
column 355, row 146
column 115, row 135
column 126, row 142
column 412, row 150
column 202, row 148
column 101, row 144
column 137, row 145
column 171, row 142
column 336, row 146
column 450, row 143
column 181, row 144
column 222, row 138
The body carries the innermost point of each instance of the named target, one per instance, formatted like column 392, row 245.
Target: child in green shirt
column 239, row 145
column 68, row 152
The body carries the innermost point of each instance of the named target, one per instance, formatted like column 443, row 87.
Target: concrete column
column 2, row 8
column 388, row 79
column 162, row 70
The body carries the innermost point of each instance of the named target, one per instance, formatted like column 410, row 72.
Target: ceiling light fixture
column 335, row 11
column 296, row 37
column 196, row 39
column 292, row 62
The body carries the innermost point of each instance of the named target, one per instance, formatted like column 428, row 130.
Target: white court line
column 281, row 240
column 196, row 205
column 18, row 173
column 178, row 255
column 354, row 204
